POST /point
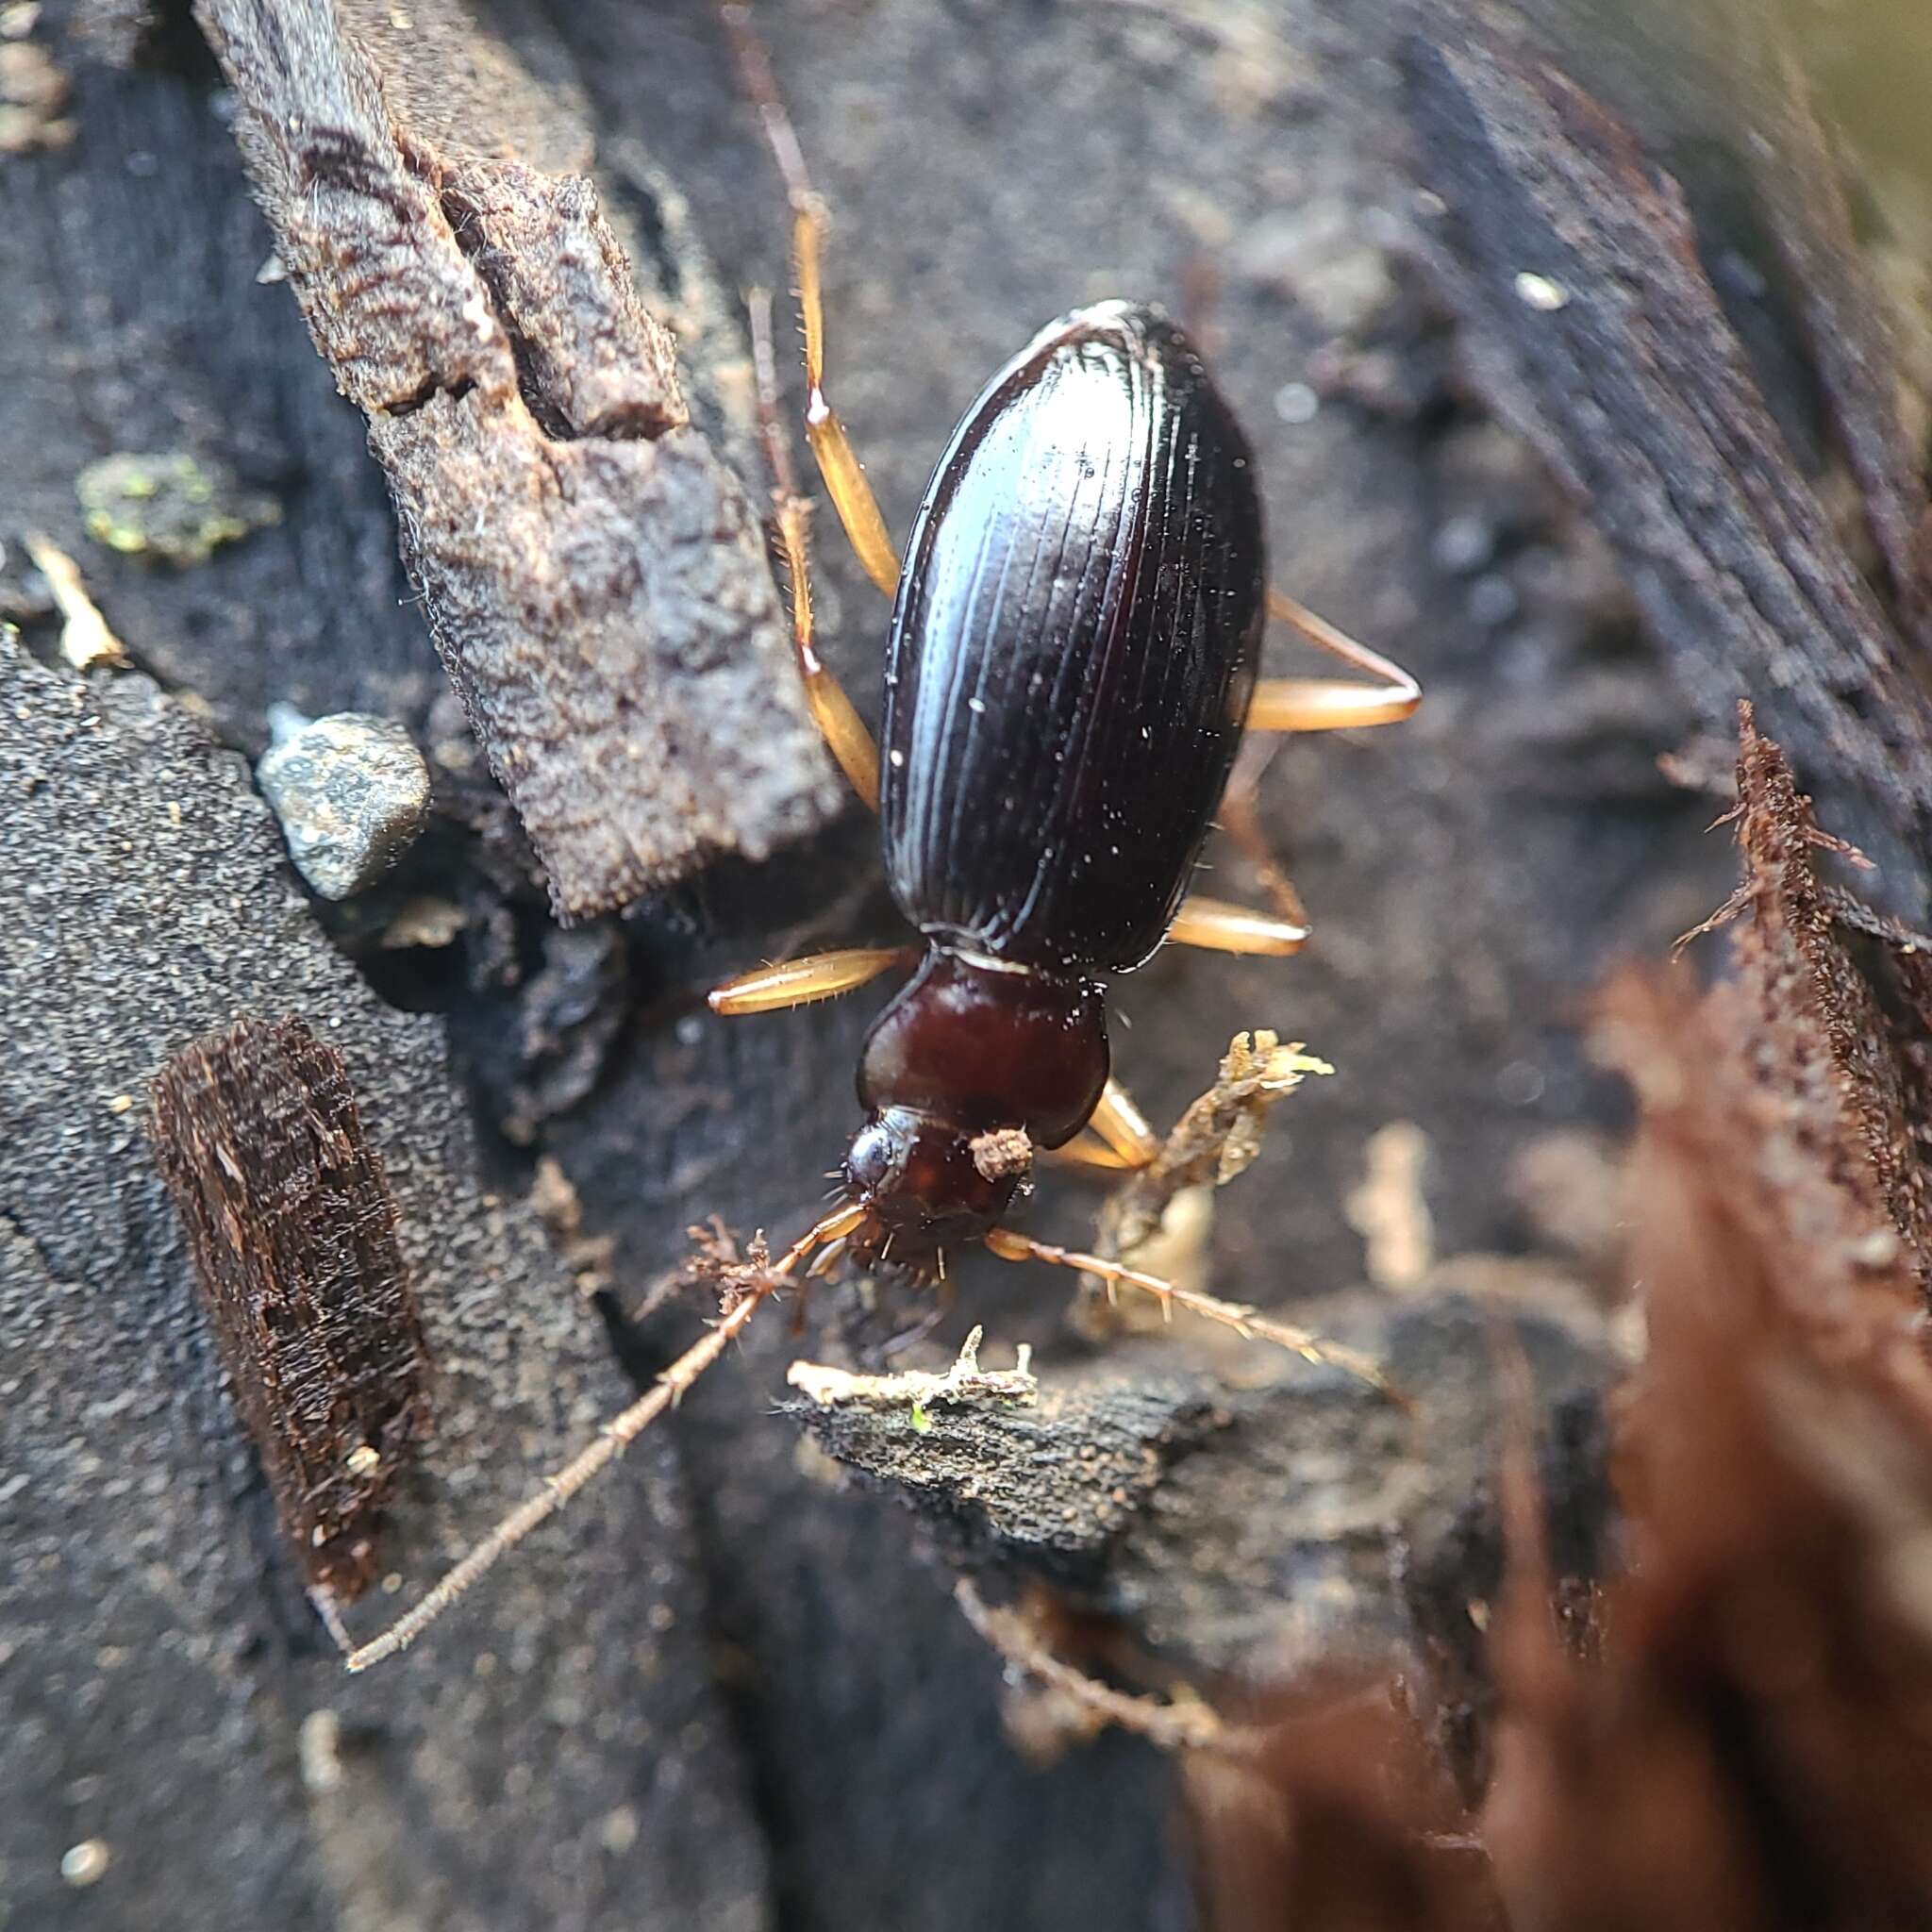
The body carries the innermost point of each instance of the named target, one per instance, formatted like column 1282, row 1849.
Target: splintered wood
column 1577, row 261
column 1335, row 1817
column 1734, row 1736
column 292, row 1228
column 1846, row 1069
column 916, row 1390
column 593, row 575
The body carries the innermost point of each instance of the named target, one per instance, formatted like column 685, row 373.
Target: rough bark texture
column 731, row 1689
column 1617, row 352
column 591, row 570
column 1248, row 1533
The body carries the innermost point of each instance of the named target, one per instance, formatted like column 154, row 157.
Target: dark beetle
column 1073, row 652
column 1070, row 668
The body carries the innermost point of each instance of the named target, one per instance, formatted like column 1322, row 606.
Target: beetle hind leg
column 1330, row 704
column 845, row 732
column 1291, row 704
column 1222, row 927
column 838, row 462
column 1218, row 925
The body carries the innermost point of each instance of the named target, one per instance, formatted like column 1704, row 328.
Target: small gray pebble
column 351, row 791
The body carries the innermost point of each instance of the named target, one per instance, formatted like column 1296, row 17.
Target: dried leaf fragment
column 292, row 1225
column 1215, row 1140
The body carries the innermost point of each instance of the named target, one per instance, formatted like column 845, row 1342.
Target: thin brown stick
column 1172, row 1726
column 611, row 1441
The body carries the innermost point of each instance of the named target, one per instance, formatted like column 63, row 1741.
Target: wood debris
column 293, row 1225
column 916, row 1390
column 593, row 575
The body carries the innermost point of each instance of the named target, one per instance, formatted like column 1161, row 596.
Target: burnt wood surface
column 728, row 1688
column 1591, row 250
column 170, row 1691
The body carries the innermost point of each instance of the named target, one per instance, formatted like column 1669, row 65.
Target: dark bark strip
column 1574, row 257
column 293, row 1229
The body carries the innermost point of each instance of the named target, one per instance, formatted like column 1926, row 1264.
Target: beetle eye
column 875, row 1159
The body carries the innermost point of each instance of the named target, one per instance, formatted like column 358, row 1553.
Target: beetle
column 1070, row 669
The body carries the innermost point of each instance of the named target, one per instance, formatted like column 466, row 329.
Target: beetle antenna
column 1010, row 1246
column 612, row 1440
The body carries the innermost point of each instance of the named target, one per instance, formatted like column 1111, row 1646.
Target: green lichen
column 168, row 507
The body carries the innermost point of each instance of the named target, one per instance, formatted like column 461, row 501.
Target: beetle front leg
column 1087, row 1150
column 801, row 982
column 1124, row 1128
column 1116, row 1137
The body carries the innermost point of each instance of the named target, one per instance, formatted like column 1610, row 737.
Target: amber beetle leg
column 851, row 494
column 845, row 731
column 1323, row 703
column 799, row 982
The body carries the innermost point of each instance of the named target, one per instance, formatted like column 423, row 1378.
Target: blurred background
column 736, row 1690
